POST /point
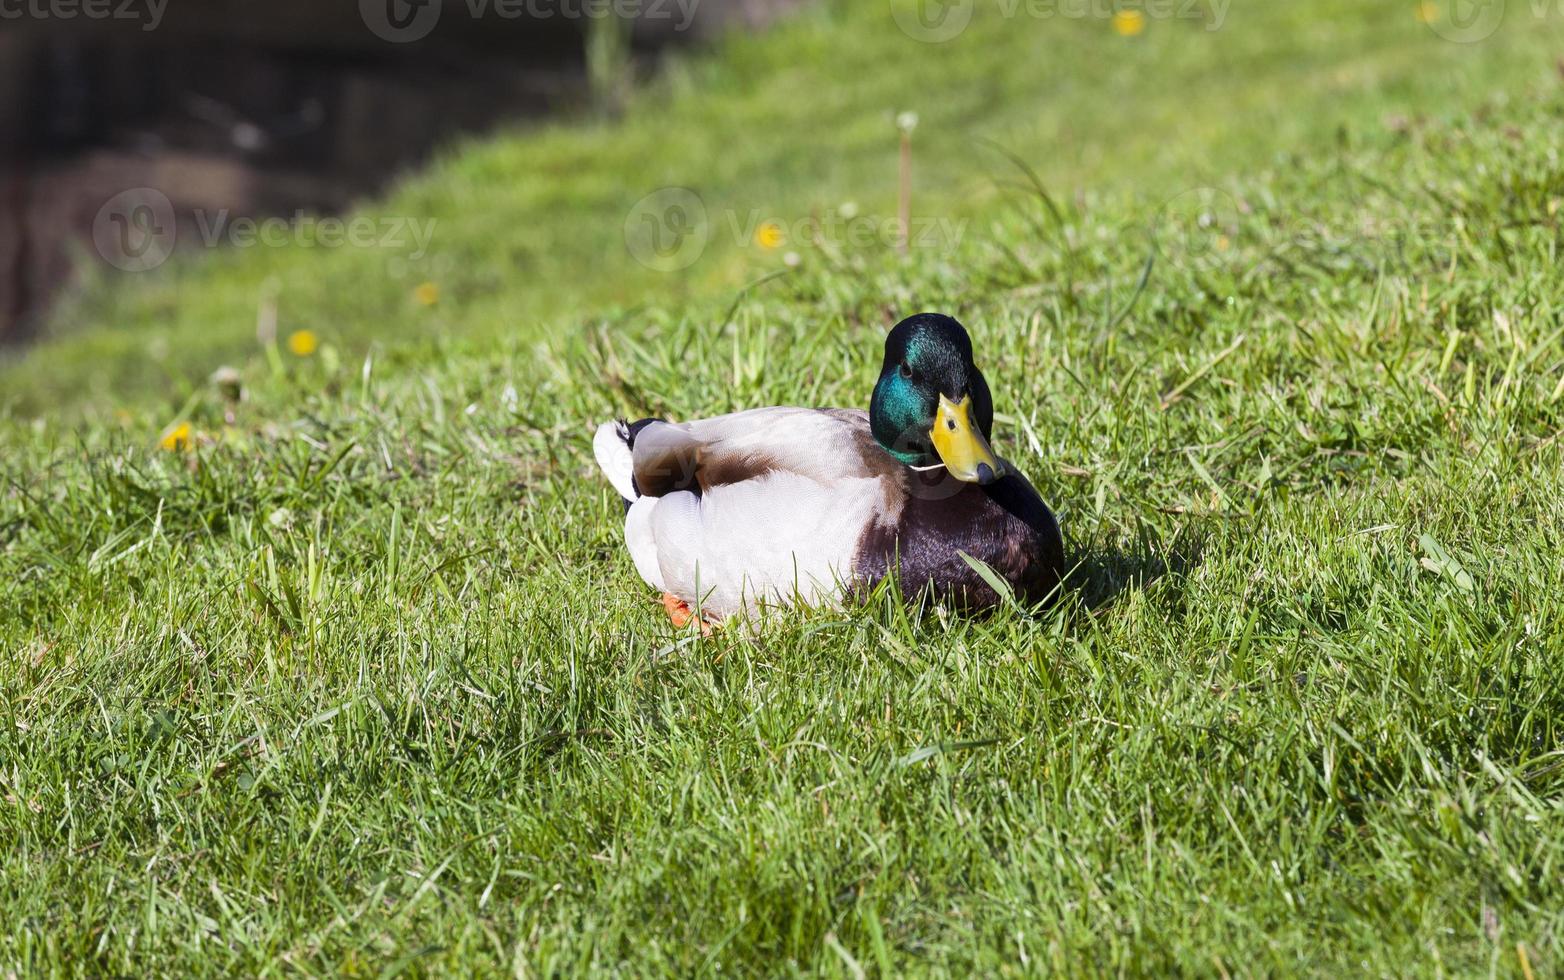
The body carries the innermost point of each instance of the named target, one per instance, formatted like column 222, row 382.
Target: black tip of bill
column 986, row 474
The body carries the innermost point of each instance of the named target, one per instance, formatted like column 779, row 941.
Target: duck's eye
column 904, row 369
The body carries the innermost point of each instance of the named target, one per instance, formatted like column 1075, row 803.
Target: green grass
column 364, row 682
column 529, row 229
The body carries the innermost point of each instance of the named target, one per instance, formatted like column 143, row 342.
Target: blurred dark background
column 270, row 107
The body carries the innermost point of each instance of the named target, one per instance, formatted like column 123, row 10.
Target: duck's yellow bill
column 961, row 446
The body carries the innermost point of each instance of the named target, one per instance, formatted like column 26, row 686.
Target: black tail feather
column 628, row 431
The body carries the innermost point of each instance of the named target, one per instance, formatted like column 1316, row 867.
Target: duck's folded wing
column 822, row 444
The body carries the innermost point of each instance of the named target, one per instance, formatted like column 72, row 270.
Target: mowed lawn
column 340, row 667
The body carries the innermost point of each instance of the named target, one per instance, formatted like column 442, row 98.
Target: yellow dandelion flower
column 427, row 294
column 175, row 438
column 1129, row 23
column 769, row 235
column 303, row 342
column 1428, row 12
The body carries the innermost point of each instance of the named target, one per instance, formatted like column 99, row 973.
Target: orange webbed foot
column 680, row 613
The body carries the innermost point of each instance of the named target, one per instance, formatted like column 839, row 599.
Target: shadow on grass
column 1102, row 575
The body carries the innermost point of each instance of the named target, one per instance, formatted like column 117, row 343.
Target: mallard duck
column 774, row 506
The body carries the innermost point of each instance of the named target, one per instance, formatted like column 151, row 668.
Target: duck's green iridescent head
column 931, row 405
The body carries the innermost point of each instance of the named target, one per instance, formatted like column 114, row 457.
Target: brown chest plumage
column 1006, row 525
